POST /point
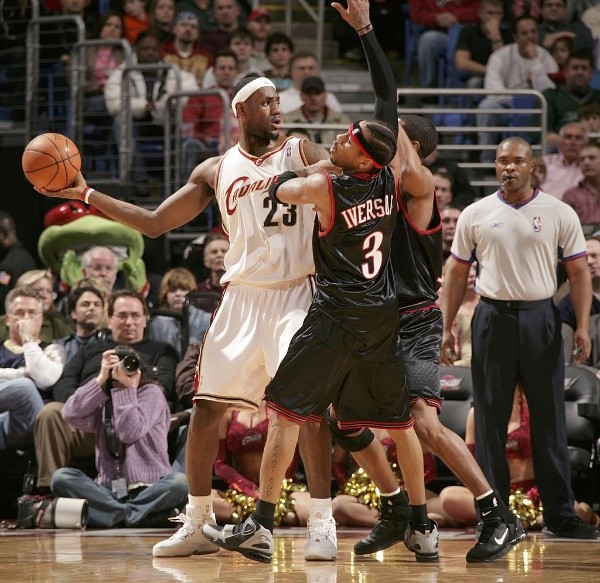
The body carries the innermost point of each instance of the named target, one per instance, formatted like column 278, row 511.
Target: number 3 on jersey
column 373, row 256
column 289, row 216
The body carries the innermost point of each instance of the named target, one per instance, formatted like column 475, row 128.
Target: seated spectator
column 161, row 14
column 240, row 43
column 28, row 368
column 560, row 50
column 449, row 215
column 519, row 65
column 564, row 100
column 184, row 51
column 539, row 172
column 476, row 42
column 260, row 27
column 227, row 19
column 57, row 443
column 87, row 308
column 149, row 93
column 303, row 65
column 101, row 61
column 443, row 187
column 279, row 49
column 166, row 322
column 591, row 18
column 432, row 43
column 205, row 115
column 358, row 501
column 463, row 193
column 14, row 258
column 101, row 262
column 215, row 248
column 202, row 9
column 554, row 24
column 315, row 110
column 589, row 117
column 585, row 197
column 54, row 325
column 567, row 312
column 525, row 501
column 135, row 20
column 126, row 411
column 562, row 169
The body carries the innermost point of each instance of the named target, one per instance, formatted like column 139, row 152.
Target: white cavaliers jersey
column 269, row 243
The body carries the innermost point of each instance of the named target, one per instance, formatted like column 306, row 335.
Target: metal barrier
column 39, row 69
column 175, row 120
column 93, row 132
column 318, row 17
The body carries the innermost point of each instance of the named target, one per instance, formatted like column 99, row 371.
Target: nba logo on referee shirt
column 537, row 224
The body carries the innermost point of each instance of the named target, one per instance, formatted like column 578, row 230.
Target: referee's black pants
column 522, row 341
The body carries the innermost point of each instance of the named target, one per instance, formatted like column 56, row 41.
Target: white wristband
column 86, row 196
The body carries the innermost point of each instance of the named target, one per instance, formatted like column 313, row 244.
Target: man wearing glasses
column 57, row 443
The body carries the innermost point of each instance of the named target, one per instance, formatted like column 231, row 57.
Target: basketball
column 51, row 161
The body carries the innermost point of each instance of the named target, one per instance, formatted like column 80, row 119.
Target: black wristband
column 279, row 180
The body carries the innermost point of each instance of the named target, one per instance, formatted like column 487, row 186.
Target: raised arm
column 382, row 77
column 176, row 210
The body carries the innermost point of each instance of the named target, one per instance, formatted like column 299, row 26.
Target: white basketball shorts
column 247, row 339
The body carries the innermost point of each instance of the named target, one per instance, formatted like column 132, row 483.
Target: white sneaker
column 322, row 539
column 188, row 540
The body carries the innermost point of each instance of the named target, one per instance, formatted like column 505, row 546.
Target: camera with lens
column 129, row 360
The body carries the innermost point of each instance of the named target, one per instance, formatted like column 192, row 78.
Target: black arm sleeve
column 279, row 180
column 382, row 77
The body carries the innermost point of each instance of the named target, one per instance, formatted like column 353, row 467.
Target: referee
column 517, row 235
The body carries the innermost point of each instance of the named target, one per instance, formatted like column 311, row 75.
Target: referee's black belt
column 516, row 304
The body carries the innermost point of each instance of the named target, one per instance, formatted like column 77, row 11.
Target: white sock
column 320, row 508
column 396, row 491
column 484, row 495
column 199, row 506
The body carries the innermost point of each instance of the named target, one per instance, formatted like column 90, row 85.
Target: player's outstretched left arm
column 382, row 76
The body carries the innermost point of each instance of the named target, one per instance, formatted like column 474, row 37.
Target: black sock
column 498, row 508
column 265, row 514
column 419, row 519
column 398, row 499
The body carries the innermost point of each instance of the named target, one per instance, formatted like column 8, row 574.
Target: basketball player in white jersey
column 268, row 269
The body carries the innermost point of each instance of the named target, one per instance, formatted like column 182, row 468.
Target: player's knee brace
column 343, row 438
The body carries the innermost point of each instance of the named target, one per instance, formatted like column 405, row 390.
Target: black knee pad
column 343, row 439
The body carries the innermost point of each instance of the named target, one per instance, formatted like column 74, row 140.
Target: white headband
column 247, row 90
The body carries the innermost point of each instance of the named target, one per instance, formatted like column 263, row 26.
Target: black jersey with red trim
column 417, row 259
column 354, row 276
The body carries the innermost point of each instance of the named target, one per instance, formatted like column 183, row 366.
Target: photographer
column 57, row 443
column 130, row 418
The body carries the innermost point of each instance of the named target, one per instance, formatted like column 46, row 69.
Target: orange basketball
column 51, row 161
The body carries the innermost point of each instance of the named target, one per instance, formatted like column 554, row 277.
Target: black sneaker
column 496, row 539
column 250, row 539
column 572, row 528
column 390, row 529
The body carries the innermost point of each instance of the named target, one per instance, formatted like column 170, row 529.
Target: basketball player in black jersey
column 346, row 353
column 417, row 262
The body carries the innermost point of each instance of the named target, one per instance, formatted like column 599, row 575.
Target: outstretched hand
column 357, row 13
column 73, row 192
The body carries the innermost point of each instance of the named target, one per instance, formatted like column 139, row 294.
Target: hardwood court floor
column 125, row 556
